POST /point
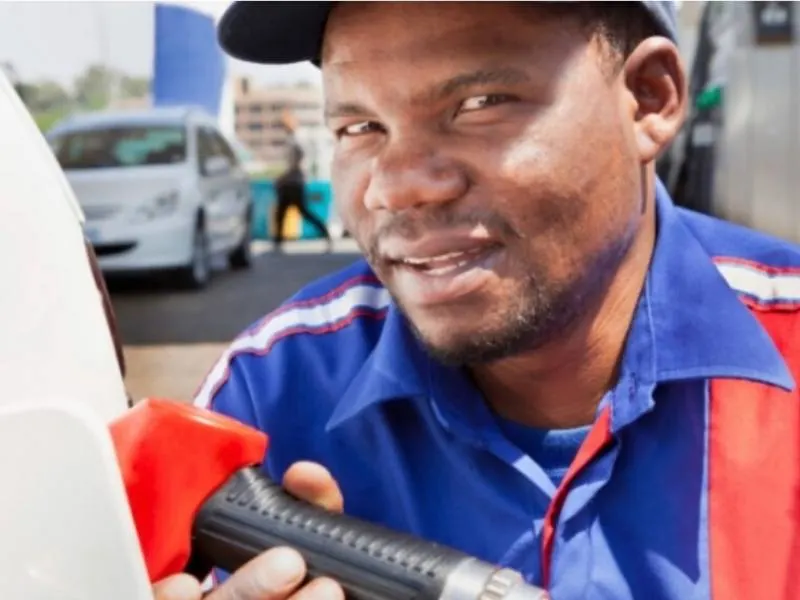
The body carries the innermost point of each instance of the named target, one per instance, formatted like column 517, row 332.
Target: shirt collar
column 698, row 327
column 397, row 368
column 684, row 327
column 689, row 324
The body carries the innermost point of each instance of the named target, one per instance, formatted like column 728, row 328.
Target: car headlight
column 160, row 206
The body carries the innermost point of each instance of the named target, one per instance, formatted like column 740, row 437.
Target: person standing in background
column 290, row 191
column 290, row 188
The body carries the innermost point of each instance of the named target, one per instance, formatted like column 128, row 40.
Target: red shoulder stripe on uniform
column 753, row 490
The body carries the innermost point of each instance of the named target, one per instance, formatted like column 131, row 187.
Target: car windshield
column 121, row 146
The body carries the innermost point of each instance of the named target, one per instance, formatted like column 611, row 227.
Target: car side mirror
column 216, row 165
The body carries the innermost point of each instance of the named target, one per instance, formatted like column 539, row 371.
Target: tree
column 92, row 88
column 133, row 87
column 46, row 96
column 49, row 102
column 97, row 85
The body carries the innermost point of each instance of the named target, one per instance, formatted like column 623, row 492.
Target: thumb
column 272, row 575
column 178, row 587
column 313, row 483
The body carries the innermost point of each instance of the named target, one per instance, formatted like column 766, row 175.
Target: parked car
column 161, row 190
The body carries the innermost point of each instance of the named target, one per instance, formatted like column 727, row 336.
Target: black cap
column 275, row 33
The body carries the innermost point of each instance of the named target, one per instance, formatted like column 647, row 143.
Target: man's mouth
column 446, row 263
column 441, row 270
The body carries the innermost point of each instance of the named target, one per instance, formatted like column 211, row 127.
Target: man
column 290, row 192
column 542, row 362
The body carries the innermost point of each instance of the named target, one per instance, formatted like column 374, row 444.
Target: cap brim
column 273, row 32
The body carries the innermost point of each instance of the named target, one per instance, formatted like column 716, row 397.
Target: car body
column 161, row 189
column 62, row 383
column 53, row 291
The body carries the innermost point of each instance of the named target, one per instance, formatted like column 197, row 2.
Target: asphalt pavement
column 152, row 312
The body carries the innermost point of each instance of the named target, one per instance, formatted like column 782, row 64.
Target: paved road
column 151, row 313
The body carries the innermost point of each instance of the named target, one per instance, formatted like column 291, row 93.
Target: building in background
column 269, row 119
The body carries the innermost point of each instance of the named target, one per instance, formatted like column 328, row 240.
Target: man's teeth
column 443, row 262
column 432, row 260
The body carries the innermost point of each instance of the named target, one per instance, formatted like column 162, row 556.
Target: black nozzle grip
column 250, row 514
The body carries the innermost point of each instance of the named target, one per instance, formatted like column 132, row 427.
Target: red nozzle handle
column 174, row 456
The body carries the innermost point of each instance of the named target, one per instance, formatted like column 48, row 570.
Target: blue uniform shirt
column 336, row 376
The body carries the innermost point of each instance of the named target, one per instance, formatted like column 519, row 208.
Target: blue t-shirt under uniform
column 552, row 449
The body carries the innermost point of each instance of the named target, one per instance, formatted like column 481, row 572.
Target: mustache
column 413, row 225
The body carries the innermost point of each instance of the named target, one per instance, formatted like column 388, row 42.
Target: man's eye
column 485, row 101
column 356, row 129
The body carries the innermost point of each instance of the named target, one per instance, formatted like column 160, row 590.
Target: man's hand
column 277, row 573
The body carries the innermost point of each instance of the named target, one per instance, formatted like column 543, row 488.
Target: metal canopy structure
column 742, row 143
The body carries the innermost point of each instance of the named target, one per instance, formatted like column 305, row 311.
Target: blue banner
column 189, row 66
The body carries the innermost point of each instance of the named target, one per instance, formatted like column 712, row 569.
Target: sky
column 57, row 40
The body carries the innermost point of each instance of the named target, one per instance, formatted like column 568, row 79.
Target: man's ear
column 656, row 80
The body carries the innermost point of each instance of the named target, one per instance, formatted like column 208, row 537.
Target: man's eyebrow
column 343, row 109
column 503, row 75
column 506, row 76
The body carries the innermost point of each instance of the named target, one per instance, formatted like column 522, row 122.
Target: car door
column 236, row 195
column 214, row 172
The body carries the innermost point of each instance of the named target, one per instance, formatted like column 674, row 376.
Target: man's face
column 487, row 164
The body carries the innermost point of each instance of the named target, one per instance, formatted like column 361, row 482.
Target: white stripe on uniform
column 314, row 316
column 760, row 284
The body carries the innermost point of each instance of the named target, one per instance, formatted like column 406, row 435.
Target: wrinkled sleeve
column 228, row 392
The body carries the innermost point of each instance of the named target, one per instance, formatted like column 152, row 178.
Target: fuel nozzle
column 200, row 471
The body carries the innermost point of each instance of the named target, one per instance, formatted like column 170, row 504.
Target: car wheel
column 197, row 273
column 242, row 255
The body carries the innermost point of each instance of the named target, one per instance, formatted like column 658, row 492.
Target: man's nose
column 405, row 176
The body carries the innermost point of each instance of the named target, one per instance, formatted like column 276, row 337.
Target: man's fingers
column 320, row 589
column 313, row 483
column 273, row 575
column 178, row 587
column 278, row 573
